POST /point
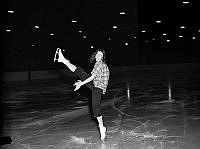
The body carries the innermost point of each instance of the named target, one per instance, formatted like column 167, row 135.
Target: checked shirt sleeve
column 105, row 75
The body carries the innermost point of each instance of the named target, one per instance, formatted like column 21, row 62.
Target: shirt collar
column 100, row 62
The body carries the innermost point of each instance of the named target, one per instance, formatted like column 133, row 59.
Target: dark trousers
column 96, row 92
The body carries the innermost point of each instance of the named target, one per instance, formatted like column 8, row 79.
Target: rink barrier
column 57, row 74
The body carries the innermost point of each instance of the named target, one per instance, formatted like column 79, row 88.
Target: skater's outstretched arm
column 79, row 83
column 88, row 80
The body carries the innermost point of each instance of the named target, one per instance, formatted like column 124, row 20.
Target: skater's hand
column 78, row 84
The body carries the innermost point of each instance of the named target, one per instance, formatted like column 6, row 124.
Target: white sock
column 100, row 121
column 101, row 127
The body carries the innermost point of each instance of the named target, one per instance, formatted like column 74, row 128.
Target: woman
column 97, row 82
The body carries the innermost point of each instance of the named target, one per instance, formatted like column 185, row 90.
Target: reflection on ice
column 78, row 140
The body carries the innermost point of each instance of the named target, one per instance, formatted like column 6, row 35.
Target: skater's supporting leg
column 96, row 106
column 96, row 101
column 101, row 128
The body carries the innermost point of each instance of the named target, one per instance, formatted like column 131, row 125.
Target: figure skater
column 97, row 82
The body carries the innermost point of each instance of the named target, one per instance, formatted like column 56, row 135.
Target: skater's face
column 99, row 56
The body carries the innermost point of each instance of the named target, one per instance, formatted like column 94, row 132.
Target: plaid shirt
column 101, row 73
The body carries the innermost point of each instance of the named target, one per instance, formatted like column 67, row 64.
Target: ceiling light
column 10, row 11
column 114, row 26
column 186, row 2
column 74, row 21
column 122, row 13
column 158, row 21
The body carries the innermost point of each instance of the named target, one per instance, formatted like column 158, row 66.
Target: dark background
column 29, row 48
